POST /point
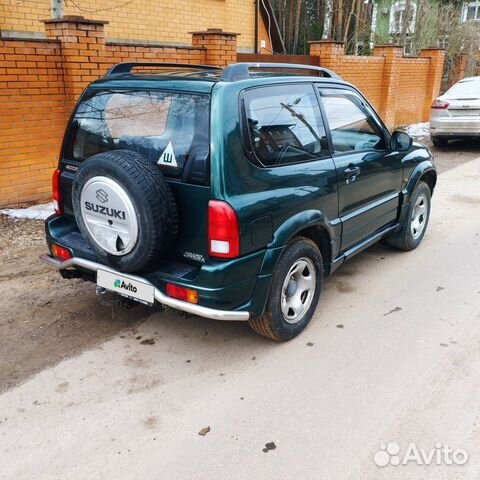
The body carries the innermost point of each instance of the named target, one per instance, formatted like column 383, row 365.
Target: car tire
column 416, row 220
column 440, row 141
column 125, row 209
column 290, row 306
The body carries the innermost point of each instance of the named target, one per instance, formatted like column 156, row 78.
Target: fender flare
column 415, row 176
column 287, row 230
column 420, row 170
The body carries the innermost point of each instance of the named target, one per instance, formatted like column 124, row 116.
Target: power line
column 86, row 10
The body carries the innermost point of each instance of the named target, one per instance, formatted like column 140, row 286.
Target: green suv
column 230, row 193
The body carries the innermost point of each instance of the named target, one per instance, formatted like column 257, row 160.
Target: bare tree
column 350, row 21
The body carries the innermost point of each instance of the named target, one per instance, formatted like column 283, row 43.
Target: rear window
column 465, row 89
column 169, row 129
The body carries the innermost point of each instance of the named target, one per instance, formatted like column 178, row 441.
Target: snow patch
column 419, row 130
column 36, row 212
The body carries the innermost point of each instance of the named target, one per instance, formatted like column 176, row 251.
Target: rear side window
column 284, row 125
column 169, row 129
column 352, row 126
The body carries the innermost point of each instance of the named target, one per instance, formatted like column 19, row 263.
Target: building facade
column 158, row 22
column 395, row 21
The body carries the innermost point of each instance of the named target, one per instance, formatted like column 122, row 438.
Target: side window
column 284, row 125
column 351, row 124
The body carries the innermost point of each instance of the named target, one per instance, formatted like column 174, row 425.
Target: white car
column 456, row 113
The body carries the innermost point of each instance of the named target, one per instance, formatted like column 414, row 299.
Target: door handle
column 351, row 173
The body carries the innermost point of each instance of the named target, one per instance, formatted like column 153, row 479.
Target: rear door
column 169, row 129
column 369, row 175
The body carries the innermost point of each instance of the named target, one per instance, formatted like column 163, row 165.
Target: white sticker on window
column 167, row 158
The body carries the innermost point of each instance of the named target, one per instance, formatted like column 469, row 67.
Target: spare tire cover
column 125, row 209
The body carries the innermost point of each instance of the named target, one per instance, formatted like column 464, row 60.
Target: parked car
column 456, row 113
column 231, row 193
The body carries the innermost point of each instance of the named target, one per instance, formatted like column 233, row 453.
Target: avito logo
column 125, row 286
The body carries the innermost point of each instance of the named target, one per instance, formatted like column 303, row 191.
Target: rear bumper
column 160, row 297
column 451, row 126
column 241, row 284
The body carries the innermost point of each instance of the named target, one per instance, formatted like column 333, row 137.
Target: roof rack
column 240, row 71
column 128, row 67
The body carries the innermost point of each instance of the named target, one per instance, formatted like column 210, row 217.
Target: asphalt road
column 392, row 355
column 455, row 154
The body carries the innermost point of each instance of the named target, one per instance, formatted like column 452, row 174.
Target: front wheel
column 416, row 221
column 294, row 294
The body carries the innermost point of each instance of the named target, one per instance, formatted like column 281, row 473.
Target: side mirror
column 400, row 141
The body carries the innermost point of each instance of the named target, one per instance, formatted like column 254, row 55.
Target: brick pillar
column 83, row 51
column 221, row 47
column 390, row 82
column 434, row 78
column 329, row 53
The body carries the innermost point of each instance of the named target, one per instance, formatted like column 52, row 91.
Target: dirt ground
column 44, row 318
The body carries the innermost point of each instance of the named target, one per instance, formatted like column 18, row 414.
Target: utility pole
column 56, row 7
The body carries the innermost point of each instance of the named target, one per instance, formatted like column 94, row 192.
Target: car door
column 369, row 174
column 291, row 173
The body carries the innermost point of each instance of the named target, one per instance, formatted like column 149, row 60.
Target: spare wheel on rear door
column 125, row 209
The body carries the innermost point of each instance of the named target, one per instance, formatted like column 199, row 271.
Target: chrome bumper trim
column 159, row 296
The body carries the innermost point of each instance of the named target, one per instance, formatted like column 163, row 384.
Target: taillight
column 223, row 231
column 182, row 293
column 440, row 104
column 56, row 192
column 60, row 252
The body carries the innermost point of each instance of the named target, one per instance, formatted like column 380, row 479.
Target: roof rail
column 240, row 71
column 128, row 67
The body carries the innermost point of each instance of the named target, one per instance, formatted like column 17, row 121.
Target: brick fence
column 400, row 88
column 40, row 81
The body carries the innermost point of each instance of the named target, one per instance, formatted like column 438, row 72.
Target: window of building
column 471, row 12
column 284, row 125
column 443, row 42
column 399, row 15
column 352, row 126
column 408, row 49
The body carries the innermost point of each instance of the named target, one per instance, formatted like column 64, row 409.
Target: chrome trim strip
column 159, row 296
column 371, row 206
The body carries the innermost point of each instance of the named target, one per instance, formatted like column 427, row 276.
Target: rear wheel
column 295, row 292
column 440, row 141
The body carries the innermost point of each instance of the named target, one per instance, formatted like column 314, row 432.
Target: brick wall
column 32, row 118
column 365, row 72
column 411, row 89
column 142, row 20
column 40, row 81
